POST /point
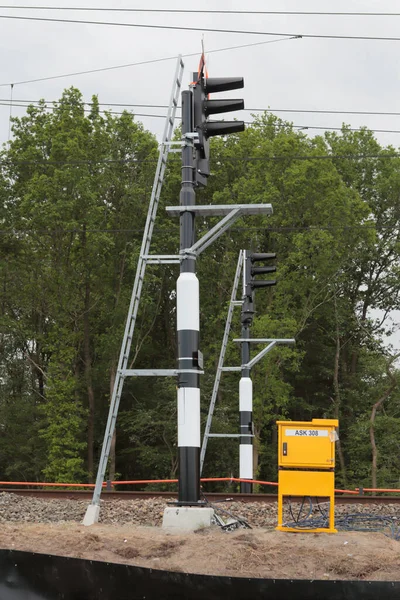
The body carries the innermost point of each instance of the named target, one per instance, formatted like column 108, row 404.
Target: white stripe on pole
column 245, row 394
column 187, row 302
column 246, row 461
column 189, row 417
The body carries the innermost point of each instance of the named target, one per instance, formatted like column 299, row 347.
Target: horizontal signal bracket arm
column 220, row 210
column 157, row 372
column 288, row 341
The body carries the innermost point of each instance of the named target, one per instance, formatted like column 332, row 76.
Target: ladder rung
column 231, row 435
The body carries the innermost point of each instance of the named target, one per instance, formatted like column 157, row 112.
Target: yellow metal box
column 307, row 444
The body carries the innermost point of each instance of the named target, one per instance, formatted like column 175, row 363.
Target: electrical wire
column 199, row 11
column 167, row 27
column 267, row 109
column 86, row 110
column 226, row 526
column 365, row 522
column 269, row 229
column 157, row 116
column 47, row 162
column 148, row 62
column 205, row 29
column 300, row 517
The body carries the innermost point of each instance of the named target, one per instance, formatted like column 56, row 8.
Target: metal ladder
column 165, row 148
column 220, row 368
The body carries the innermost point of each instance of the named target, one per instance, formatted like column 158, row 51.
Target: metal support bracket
column 230, row 214
column 230, row 435
column 157, row 372
column 260, row 355
column 271, row 344
column 288, row 341
column 216, row 231
column 220, row 210
column 162, row 259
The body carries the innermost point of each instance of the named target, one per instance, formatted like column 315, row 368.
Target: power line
column 46, row 162
column 268, row 109
column 148, row 26
column 195, row 11
column 76, row 73
column 87, row 110
column 272, row 229
column 156, row 116
column 146, row 62
column 325, row 111
column 323, row 128
column 203, row 29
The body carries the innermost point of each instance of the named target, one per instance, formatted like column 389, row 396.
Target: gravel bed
column 22, row 509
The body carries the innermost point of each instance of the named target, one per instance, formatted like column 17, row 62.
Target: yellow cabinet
column 307, row 444
column 306, row 460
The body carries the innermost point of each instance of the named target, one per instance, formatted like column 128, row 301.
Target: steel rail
column 109, row 496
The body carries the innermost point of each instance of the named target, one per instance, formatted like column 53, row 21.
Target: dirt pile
column 242, row 553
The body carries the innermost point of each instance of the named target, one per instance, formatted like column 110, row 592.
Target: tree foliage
column 75, row 188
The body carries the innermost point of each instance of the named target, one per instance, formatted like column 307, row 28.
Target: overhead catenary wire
column 148, row 62
column 45, row 162
column 269, row 229
column 199, row 11
column 251, row 109
column 205, row 29
column 157, row 116
column 153, row 26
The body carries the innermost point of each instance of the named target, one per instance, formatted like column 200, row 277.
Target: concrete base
column 92, row 514
column 186, row 518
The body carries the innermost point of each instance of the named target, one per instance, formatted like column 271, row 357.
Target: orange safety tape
column 237, row 479
column 380, row 490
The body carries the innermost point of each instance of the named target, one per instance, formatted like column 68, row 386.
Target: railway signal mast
column 250, row 284
column 196, row 131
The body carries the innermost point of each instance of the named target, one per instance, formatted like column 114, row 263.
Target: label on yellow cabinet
column 307, row 432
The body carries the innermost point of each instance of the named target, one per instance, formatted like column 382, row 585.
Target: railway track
column 109, row 496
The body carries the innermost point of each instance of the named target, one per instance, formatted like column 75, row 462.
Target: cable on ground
column 362, row 522
column 233, row 522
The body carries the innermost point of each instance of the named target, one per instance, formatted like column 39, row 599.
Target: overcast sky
column 321, row 74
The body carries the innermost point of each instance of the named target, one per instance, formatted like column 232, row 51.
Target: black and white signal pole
column 250, row 284
column 246, row 419
column 246, row 389
column 196, row 130
column 188, row 326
